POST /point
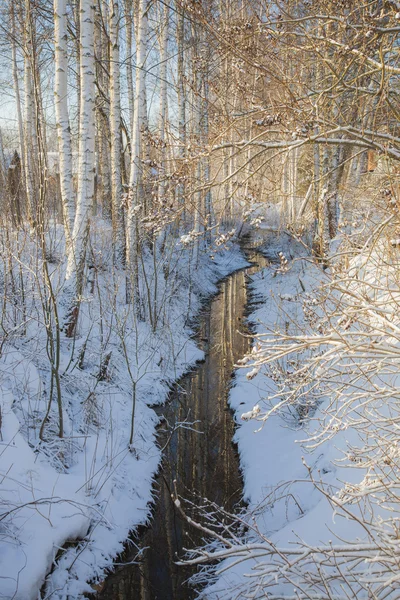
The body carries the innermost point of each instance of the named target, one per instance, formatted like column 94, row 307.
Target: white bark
column 76, row 5
column 293, row 156
column 140, row 110
column 20, row 122
column 196, row 120
column 198, row 196
column 129, row 77
column 317, row 170
column 102, row 199
column 180, row 31
column 62, row 118
column 30, row 134
column 76, row 260
column 163, row 98
column 206, row 163
column 115, row 123
column 3, row 175
column 285, row 185
column 136, row 176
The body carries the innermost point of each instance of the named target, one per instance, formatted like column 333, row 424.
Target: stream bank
column 198, row 453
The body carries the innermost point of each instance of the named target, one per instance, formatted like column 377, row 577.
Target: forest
column 199, row 299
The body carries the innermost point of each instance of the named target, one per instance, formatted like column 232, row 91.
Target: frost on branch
column 251, row 414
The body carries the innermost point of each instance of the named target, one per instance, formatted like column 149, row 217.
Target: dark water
column 206, row 462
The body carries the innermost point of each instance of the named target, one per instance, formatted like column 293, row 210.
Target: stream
column 204, row 461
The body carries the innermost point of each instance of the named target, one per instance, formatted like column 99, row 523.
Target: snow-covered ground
column 269, row 454
column 337, row 490
column 90, row 488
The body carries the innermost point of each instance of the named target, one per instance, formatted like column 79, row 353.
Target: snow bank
column 90, row 488
column 321, row 479
column 40, row 509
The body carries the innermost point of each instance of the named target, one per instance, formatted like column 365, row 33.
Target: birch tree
column 17, row 92
column 103, row 194
column 129, row 51
column 180, row 32
column 30, row 133
column 135, row 202
column 115, row 130
column 85, row 192
column 62, row 118
column 163, row 98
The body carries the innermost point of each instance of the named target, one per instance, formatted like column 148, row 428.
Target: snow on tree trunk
column 76, row 259
column 62, row 118
column 115, row 129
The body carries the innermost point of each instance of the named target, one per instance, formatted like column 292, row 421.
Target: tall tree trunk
column 129, row 51
column 3, row 183
column 30, row 134
column 293, row 157
column 136, row 174
column 76, row 259
column 76, row 11
column 22, row 153
column 180, row 31
column 206, row 164
column 163, row 100
column 115, row 130
column 197, row 108
column 103, row 196
column 62, row 118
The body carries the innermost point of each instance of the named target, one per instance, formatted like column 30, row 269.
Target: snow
column 93, row 487
column 278, row 466
column 251, row 414
column 276, row 439
column 90, row 488
column 43, row 509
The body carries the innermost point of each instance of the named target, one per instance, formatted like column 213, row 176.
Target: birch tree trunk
column 102, row 197
column 196, row 121
column 196, row 101
column 62, row 118
column 316, row 173
column 206, row 163
column 285, row 186
column 115, row 129
column 15, row 74
column 76, row 11
column 293, row 157
column 76, row 259
column 232, row 168
column 3, row 183
column 129, row 51
column 136, row 175
column 180, row 31
column 163, row 100
column 30, row 143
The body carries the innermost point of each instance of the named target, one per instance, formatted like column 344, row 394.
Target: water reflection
column 204, row 461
